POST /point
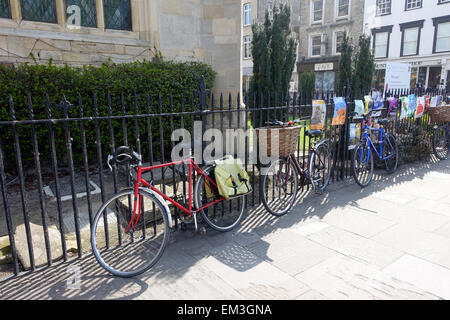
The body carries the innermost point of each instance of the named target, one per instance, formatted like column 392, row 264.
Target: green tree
column 364, row 66
column 273, row 52
column 345, row 71
column 307, row 84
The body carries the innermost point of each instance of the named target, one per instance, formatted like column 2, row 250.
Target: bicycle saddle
column 314, row 133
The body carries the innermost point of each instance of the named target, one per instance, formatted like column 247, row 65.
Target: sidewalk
column 388, row 241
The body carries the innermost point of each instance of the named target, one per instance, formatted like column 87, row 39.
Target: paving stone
column 290, row 252
column 434, row 206
column 250, row 276
column 423, row 274
column 355, row 246
column 340, row 277
column 426, row 245
column 422, row 219
column 312, row 295
column 361, row 223
column 305, row 229
column 444, row 230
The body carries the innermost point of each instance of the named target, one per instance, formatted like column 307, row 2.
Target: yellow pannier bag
column 231, row 178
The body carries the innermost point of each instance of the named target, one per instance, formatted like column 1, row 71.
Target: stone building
column 255, row 11
column 413, row 32
column 81, row 32
column 322, row 26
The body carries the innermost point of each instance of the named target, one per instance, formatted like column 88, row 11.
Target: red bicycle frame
column 141, row 182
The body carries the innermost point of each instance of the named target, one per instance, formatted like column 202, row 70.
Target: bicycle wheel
column 223, row 215
column 129, row 253
column 441, row 140
column 390, row 148
column 362, row 164
column 320, row 167
column 279, row 186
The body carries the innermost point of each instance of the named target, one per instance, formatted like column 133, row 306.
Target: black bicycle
column 441, row 141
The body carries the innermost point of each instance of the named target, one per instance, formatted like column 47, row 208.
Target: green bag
column 231, row 178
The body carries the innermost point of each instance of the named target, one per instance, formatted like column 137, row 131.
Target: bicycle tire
column 322, row 148
column 390, row 168
column 355, row 170
column 106, row 255
column 270, row 205
column 234, row 207
column 441, row 139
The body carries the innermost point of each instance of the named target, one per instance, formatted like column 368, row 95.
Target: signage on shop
column 398, row 76
column 323, row 66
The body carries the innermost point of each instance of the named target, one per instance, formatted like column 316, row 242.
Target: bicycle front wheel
column 279, row 186
column 320, row 167
column 441, row 141
column 362, row 164
column 127, row 253
column 223, row 215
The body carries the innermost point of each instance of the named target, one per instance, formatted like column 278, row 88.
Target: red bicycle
column 131, row 229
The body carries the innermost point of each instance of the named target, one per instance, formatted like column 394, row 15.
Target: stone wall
column 183, row 30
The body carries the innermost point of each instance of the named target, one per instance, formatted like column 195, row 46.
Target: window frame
column 9, row 11
column 413, row 24
column 249, row 5
column 96, row 12
column 406, row 5
column 335, row 33
column 384, row 14
column 336, row 11
column 20, row 2
column 311, row 12
column 384, row 29
column 249, row 42
column 310, row 49
column 443, row 1
column 131, row 18
column 436, row 22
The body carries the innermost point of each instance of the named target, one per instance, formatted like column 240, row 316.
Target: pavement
column 388, row 241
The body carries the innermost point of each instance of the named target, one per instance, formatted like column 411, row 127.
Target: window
column 5, row 11
column 316, row 45
column 316, row 11
column 41, row 11
column 381, row 44
column 270, row 10
column 410, row 37
column 443, row 37
column 443, row 1
column 413, row 4
column 247, row 44
column 247, row 14
column 383, row 7
column 338, row 39
column 342, row 8
column 117, row 14
column 410, row 40
column 81, row 13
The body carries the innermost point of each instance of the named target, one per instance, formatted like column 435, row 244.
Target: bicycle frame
column 369, row 142
column 141, row 182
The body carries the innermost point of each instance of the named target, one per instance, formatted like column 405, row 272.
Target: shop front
column 325, row 72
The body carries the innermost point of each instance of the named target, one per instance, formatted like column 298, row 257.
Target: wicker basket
column 287, row 138
column 439, row 114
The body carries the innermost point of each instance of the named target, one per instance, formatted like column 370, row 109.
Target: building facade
column 255, row 11
column 79, row 32
column 322, row 27
column 415, row 32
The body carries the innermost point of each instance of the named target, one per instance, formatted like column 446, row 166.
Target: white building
column 416, row 32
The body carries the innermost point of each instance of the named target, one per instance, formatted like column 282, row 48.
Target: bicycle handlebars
column 285, row 124
column 122, row 155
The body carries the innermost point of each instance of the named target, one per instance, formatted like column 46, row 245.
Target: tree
column 273, row 52
column 345, row 72
column 307, row 83
column 364, row 66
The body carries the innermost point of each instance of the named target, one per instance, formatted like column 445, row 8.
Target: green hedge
column 160, row 78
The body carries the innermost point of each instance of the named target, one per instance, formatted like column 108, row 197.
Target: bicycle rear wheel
column 320, row 167
column 129, row 253
column 223, row 215
column 279, row 186
column 362, row 164
column 390, row 148
column 441, row 141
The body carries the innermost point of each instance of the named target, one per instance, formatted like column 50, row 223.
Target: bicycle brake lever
column 110, row 157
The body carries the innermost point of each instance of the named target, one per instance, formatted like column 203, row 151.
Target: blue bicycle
column 363, row 154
